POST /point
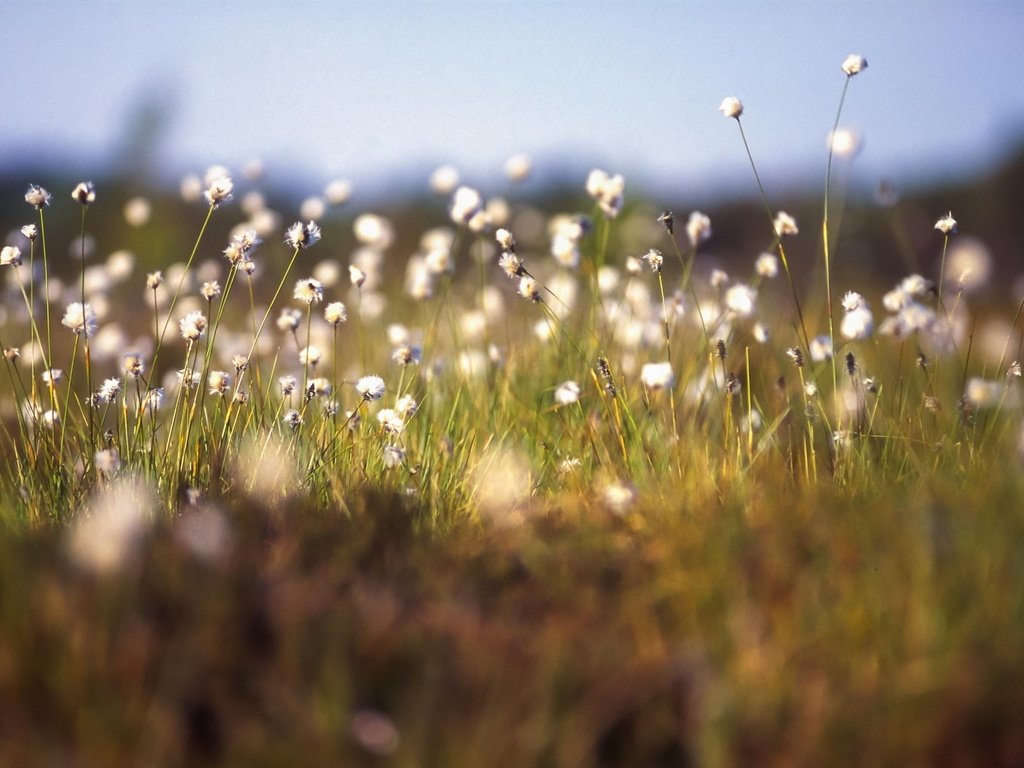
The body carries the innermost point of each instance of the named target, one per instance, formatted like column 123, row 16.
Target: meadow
column 495, row 484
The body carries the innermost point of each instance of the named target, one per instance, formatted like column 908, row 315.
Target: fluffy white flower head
column 370, row 387
column 658, row 375
column 854, row 64
column 731, row 107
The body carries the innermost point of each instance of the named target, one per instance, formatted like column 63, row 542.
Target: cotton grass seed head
column 658, row 376
column 567, row 393
column 654, row 260
column 132, row 365
column 309, row 291
column 219, row 382
column 854, row 64
column 785, row 224
column 466, row 203
column 218, row 190
column 517, row 168
column 767, row 265
column 335, row 314
column 946, row 225
column 698, row 228
column 84, row 193
column 731, row 107
column 10, row 256
column 289, row 319
column 37, row 197
column 300, row 235
column 193, row 326
column 30, row 232
column 370, row 387
column 81, row 319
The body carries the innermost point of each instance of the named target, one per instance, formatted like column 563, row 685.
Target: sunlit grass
column 527, row 494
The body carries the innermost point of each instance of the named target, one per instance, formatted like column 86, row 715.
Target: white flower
column 528, row 288
column 287, row 383
column 132, row 365
column 785, row 224
column 466, row 203
column 107, row 462
column 517, row 167
column 153, row 399
column 767, row 265
column 289, row 319
column 854, row 64
column 406, row 406
column 210, row 289
column 844, row 142
column 84, row 193
column 311, row 355
column 982, row 393
column 10, row 256
column 390, row 421
column 108, row 390
column 309, row 290
column 374, row 230
column 657, row 375
column 852, row 300
column 607, row 190
column 567, row 393
column 916, row 285
column 80, row 318
column 718, row 278
column 241, row 246
column 444, row 180
column 731, row 107
column 301, row 235
column 356, row 276
column 335, row 313
column 654, row 260
column 740, row 299
column 858, row 323
column 946, row 225
column 219, row 191
column 30, row 232
column 698, row 228
column 505, row 239
column 193, row 326
column 219, row 382
column 370, row 387
column 37, row 196
column 821, row 348
column 407, row 354
column 292, row 418
column 393, row 456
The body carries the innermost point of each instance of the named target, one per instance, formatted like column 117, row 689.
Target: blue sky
column 385, row 90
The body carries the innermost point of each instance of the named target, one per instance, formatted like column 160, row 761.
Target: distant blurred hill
column 881, row 236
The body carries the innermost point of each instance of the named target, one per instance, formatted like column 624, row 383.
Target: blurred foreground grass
column 786, row 626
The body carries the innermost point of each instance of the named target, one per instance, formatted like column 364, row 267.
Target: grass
column 532, row 503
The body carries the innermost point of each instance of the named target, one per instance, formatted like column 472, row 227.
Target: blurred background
column 134, row 95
